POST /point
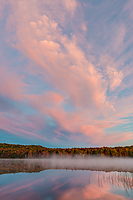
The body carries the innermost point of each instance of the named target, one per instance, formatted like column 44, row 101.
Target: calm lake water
column 49, row 180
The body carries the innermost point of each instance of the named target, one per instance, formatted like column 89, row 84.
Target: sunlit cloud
column 74, row 66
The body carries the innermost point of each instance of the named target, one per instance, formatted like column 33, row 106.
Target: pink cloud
column 49, row 45
column 45, row 101
column 19, row 126
column 115, row 78
column 60, row 134
column 79, row 122
column 90, row 192
column 62, row 62
column 58, row 186
column 71, row 5
column 78, row 79
column 11, row 85
column 117, row 138
column 12, row 191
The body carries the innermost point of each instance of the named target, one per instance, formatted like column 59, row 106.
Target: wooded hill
column 35, row 151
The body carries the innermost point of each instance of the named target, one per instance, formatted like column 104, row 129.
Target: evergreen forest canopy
column 36, row 151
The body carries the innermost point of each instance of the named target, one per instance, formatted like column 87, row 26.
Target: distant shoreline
column 37, row 151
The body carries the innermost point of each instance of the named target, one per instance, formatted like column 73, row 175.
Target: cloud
column 82, row 57
column 16, row 125
column 16, row 188
column 90, row 192
column 71, row 5
column 115, row 77
column 2, row 4
column 128, row 8
column 11, row 85
column 4, row 104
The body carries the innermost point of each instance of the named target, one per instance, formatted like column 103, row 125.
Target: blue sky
column 66, row 72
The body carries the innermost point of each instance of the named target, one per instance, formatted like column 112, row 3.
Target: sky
column 66, row 72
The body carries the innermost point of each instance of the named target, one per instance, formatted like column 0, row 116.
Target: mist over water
column 79, row 162
column 86, row 178
column 74, row 163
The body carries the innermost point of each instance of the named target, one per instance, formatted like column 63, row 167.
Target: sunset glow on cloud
column 66, row 72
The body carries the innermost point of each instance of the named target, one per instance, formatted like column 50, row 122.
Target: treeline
column 35, row 151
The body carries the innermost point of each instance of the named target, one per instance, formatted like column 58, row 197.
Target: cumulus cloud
column 115, row 77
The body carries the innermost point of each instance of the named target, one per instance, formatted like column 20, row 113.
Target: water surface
column 67, row 179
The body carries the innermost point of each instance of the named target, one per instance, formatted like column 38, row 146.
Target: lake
column 66, row 179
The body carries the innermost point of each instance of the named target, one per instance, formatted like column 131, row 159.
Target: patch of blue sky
column 8, row 105
column 6, row 137
column 68, row 106
column 37, row 85
column 50, row 122
column 121, row 128
column 12, row 58
column 123, row 143
column 129, row 127
column 128, row 118
column 126, row 53
column 95, row 3
column 119, row 92
column 5, row 12
column 127, row 92
column 66, row 31
column 26, row 109
column 108, row 93
column 104, row 16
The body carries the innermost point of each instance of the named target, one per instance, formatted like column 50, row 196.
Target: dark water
column 49, row 180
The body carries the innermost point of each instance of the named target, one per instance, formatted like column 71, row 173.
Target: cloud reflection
column 64, row 185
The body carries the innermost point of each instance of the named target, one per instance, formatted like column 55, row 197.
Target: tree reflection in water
column 91, row 163
column 85, row 184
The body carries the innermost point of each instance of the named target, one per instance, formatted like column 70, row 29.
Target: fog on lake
column 66, row 178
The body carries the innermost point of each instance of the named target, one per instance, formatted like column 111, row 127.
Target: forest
column 37, row 151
